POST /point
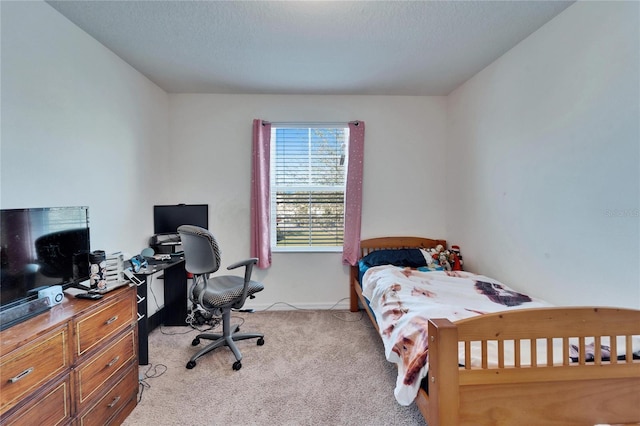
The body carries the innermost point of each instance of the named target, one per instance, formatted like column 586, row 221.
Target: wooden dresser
column 76, row 364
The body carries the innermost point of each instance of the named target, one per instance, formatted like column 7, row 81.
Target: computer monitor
column 167, row 218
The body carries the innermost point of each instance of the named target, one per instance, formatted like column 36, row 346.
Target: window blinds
column 308, row 184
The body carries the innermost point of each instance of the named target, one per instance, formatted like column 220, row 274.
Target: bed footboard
column 589, row 391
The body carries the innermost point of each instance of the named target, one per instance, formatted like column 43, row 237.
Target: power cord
column 150, row 288
column 314, row 309
column 360, row 316
column 158, row 370
column 198, row 317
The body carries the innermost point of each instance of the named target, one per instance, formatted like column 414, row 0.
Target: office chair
column 216, row 295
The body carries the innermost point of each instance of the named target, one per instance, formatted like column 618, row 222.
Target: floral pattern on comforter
column 404, row 299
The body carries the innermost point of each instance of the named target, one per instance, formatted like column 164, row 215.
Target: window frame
column 311, row 188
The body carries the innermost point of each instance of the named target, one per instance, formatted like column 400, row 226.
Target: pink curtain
column 353, row 196
column 260, row 211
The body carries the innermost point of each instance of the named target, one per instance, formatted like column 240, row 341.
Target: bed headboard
column 381, row 243
column 373, row 244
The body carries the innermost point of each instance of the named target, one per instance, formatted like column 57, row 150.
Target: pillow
column 412, row 258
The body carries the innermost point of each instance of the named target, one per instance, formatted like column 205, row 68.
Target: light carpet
column 315, row 368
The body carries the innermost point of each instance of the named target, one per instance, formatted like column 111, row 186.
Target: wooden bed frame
column 581, row 393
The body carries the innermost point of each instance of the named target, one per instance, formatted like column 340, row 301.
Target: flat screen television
column 167, row 218
column 41, row 247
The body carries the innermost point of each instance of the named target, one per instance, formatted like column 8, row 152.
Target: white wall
column 79, row 127
column 404, row 145
column 541, row 169
column 543, row 160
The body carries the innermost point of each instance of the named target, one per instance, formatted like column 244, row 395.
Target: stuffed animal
column 449, row 260
column 456, row 258
column 444, row 261
column 435, row 252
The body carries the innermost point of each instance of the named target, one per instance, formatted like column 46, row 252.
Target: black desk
column 174, row 312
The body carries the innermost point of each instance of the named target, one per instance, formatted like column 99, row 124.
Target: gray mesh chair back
column 217, row 295
column 201, row 252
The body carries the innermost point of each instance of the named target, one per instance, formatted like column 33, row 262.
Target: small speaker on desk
column 54, row 293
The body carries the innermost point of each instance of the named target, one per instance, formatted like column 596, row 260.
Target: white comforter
column 403, row 300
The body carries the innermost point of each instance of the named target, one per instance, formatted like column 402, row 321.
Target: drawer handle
column 114, row 402
column 21, row 375
column 113, row 361
column 111, row 320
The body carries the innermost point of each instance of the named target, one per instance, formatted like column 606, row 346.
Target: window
column 308, row 167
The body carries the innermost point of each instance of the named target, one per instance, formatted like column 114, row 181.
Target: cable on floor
column 158, row 370
column 315, row 309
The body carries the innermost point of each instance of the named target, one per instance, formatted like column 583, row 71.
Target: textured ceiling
column 309, row 47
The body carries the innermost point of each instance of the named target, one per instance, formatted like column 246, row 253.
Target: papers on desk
column 161, row 256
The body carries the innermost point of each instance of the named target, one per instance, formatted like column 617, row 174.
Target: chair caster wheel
column 191, row 364
column 261, row 341
column 195, row 342
column 237, row 365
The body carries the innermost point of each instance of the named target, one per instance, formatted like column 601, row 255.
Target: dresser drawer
column 96, row 327
column 119, row 418
column 30, row 367
column 51, row 408
column 93, row 374
column 114, row 400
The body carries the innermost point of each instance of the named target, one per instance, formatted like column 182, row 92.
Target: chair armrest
column 247, row 262
column 248, row 270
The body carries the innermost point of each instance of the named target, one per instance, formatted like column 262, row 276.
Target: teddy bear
column 435, row 252
column 444, row 261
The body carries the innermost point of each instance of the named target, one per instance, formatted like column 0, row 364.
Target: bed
column 508, row 385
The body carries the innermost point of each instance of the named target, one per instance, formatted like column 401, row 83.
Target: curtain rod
column 309, row 123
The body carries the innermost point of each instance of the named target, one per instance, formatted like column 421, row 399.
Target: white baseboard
column 286, row 306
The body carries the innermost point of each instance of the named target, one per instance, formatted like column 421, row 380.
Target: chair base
column 228, row 337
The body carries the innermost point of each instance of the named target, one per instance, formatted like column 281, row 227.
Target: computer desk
column 174, row 311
